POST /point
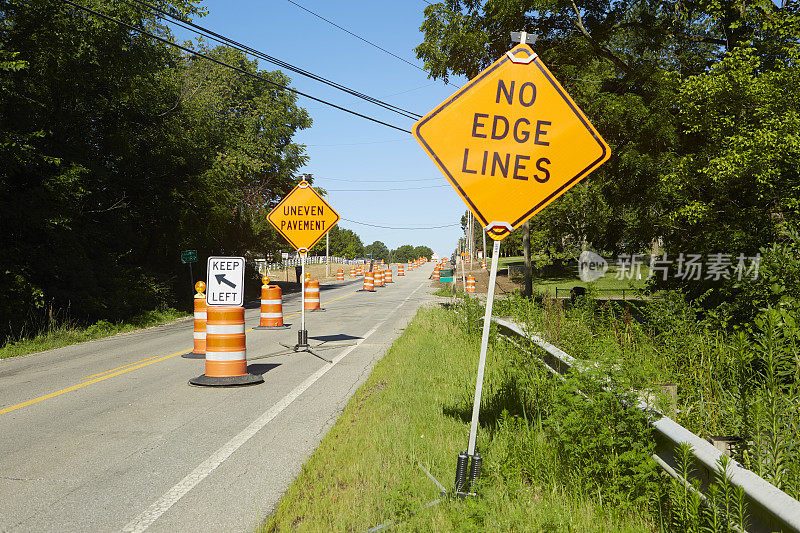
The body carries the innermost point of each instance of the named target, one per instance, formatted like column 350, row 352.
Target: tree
column 116, row 152
column 343, row 243
column 701, row 130
column 404, row 254
column 422, row 251
column 377, row 250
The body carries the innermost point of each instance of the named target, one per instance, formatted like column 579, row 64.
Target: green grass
column 608, row 285
column 67, row 333
column 414, row 410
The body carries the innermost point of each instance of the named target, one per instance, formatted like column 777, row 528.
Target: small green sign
column 189, row 256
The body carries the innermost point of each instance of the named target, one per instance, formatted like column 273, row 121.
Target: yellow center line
column 121, row 367
column 86, row 383
column 118, row 371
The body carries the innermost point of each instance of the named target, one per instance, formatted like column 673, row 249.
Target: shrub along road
column 108, row 435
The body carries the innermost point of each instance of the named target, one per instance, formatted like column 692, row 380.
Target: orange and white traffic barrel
column 311, row 296
column 483, row 264
column 470, row 283
column 369, row 282
column 340, row 275
column 387, row 276
column 199, row 346
column 359, row 271
column 379, row 282
column 271, row 307
column 400, row 271
column 352, row 272
column 226, row 351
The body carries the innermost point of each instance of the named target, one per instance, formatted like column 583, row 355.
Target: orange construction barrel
column 369, row 283
column 271, row 307
column 311, row 296
column 226, row 352
column 470, row 283
column 199, row 347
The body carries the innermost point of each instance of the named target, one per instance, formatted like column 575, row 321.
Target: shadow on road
column 335, row 338
column 261, row 368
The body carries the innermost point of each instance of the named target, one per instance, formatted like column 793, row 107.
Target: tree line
column 699, row 103
column 346, row 243
column 117, row 152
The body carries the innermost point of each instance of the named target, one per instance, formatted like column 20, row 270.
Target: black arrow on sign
column 221, row 279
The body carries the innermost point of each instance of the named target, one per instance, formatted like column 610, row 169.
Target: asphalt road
column 108, row 435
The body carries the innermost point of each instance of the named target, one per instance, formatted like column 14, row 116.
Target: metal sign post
column 302, row 335
column 487, row 320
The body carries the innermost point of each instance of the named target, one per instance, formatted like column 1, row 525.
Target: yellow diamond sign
column 303, row 217
column 511, row 141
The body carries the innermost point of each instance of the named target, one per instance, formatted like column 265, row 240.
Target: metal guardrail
column 769, row 508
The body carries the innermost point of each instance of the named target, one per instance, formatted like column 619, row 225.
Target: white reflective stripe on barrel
column 271, row 302
column 201, row 316
column 271, row 315
column 224, row 329
column 312, row 289
column 312, row 299
column 225, row 356
column 199, row 335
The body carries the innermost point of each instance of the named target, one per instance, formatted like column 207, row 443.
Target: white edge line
column 171, row 497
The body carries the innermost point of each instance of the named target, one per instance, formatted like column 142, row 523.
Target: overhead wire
column 214, row 36
column 376, row 180
column 404, row 60
column 222, row 63
column 390, row 189
column 399, row 228
column 357, row 36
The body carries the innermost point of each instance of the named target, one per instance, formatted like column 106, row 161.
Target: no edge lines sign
column 303, row 217
column 511, row 141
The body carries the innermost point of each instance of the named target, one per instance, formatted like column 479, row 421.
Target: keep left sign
column 225, row 281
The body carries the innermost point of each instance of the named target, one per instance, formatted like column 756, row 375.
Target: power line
column 389, row 189
column 395, row 227
column 357, row 36
column 211, row 35
column 362, row 143
column 222, row 63
column 376, row 180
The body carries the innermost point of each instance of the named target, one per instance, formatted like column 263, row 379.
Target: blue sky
column 358, row 161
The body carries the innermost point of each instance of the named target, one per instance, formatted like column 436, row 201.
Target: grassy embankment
column 414, row 411
column 67, row 332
